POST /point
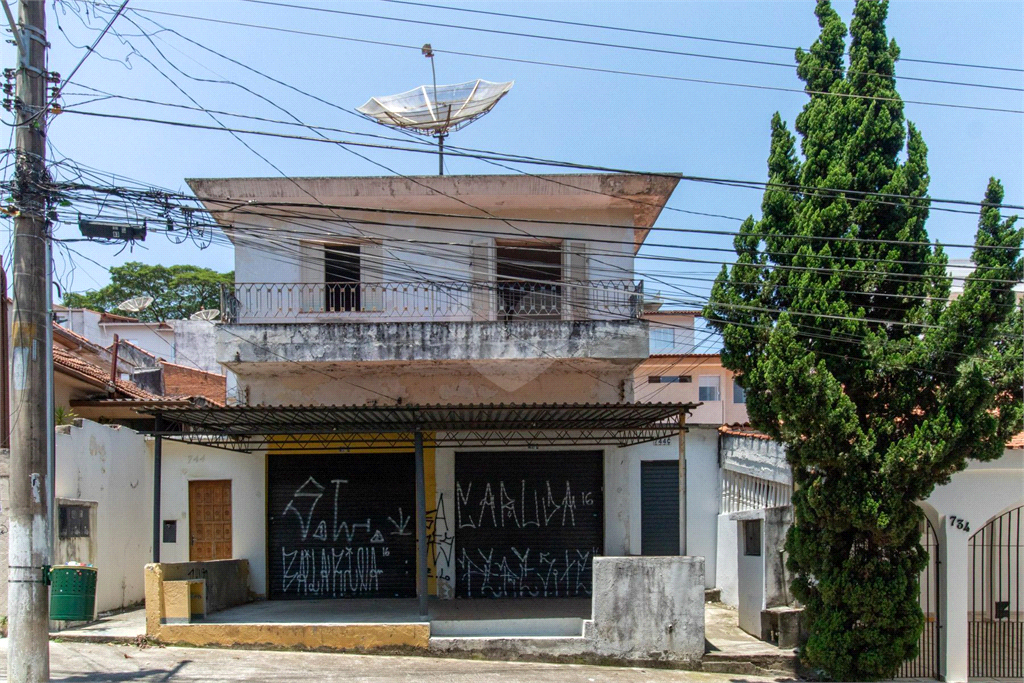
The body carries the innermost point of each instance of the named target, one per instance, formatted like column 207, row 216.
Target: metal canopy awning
column 250, row 428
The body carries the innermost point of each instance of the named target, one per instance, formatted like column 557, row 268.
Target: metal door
column 995, row 625
column 527, row 524
column 659, row 507
column 926, row 664
column 342, row 526
column 209, row 520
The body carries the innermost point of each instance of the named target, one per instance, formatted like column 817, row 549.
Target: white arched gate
column 996, row 610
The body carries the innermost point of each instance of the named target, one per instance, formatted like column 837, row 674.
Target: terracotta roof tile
column 743, row 430
column 1017, row 442
column 69, row 361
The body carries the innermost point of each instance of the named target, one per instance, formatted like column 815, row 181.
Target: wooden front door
column 209, row 520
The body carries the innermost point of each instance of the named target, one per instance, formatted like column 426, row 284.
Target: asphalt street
column 96, row 663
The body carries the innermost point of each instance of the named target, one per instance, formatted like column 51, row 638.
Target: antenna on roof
column 205, row 314
column 136, row 305
column 436, row 110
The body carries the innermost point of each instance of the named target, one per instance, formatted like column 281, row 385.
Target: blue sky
column 594, row 118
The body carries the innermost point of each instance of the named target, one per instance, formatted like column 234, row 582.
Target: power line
column 759, row 185
column 635, row 48
column 577, row 67
column 724, row 41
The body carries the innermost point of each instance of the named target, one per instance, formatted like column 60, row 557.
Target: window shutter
column 481, row 267
column 577, row 293
column 371, row 274
column 311, row 290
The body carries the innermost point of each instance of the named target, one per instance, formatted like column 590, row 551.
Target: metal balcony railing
column 255, row 302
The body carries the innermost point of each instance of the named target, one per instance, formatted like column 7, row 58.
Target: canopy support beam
column 421, row 524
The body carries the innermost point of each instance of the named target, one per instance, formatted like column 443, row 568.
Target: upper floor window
column 663, row 340
column 341, row 277
column 668, row 379
column 709, row 388
column 529, row 279
column 739, row 394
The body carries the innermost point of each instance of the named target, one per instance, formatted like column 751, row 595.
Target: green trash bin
column 72, row 593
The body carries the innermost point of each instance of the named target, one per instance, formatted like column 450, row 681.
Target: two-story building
column 436, row 378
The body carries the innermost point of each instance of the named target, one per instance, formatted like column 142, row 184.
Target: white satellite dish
column 139, row 303
column 436, row 110
column 205, row 314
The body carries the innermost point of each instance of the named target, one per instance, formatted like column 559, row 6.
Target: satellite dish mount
column 436, row 110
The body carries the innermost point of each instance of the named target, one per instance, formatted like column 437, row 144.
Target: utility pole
column 28, row 657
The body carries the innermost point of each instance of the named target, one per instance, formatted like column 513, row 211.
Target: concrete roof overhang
column 640, row 196
column 370, row 427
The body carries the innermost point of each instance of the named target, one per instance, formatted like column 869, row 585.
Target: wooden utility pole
column 29, row 534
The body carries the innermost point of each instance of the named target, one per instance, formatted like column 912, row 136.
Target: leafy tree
column 177, row 291
column 838, row 321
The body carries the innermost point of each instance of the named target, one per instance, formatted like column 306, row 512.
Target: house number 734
column 960, row 523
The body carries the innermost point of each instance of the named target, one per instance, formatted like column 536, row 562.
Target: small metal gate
column 996, row 612
column 926, row 664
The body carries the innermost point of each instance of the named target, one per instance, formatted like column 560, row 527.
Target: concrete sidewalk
column 96, row 663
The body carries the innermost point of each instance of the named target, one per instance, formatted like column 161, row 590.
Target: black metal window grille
column 995, row 627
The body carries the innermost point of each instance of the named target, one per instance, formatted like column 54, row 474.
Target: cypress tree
column 838, row 321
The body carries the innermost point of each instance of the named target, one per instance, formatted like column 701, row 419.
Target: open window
column 529, row 279
column 342, row 277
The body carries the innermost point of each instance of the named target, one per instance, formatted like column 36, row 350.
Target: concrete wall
column 649, row 608
column 761, row 458
column 110, row 465
column 702, row 487
column 727, row 560
column 524, row 381
column 621, row 340
column 247, row 472
column 195, row 345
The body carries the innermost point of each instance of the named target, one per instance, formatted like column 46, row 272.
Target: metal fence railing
column 431, row 301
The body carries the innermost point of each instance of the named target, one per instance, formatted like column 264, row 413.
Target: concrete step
column 518, row 628
column 751, row 663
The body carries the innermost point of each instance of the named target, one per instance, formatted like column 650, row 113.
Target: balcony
column 266, row 327
column 423, row 301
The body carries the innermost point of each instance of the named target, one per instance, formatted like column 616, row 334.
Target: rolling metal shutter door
column 659, row 507
column 527, row 524
column 342, row 526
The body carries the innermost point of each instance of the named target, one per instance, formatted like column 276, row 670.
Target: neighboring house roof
column 744, row 430
column 1017, row 442
column 70, row 364
column 685, row 355
column 114, row 317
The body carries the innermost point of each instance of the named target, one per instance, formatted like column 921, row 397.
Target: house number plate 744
column 960, row 523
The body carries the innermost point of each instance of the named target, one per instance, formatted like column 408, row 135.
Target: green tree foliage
column 852, row 353
column 177, row 291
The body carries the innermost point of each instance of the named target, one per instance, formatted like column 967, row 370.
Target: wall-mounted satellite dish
column 205, row 314
column 436, row 110
column 136, row 305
